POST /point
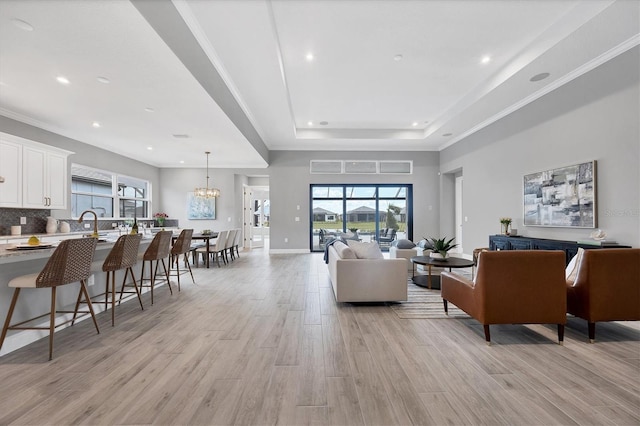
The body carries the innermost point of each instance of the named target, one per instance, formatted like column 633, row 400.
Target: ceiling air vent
column 326, row 166
column 361, row 167
column 396, row 167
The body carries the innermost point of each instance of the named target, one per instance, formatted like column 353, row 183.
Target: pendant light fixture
column 207, row 192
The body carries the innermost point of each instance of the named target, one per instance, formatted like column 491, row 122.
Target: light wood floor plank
column 262, row 341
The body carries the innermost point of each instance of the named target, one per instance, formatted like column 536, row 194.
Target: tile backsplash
column 37, row 221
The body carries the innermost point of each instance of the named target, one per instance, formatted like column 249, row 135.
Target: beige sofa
column 366, row 280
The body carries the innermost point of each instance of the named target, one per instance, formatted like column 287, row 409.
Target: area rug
column 425, row 304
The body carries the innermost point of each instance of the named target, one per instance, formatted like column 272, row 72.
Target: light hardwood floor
column 262, row 341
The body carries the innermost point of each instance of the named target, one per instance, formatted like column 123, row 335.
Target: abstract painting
column 563, row 197
column 200, row 207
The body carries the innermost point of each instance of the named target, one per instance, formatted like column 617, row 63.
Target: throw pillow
column 365, row 250
column 572, row 268
column 344, row 251
column 405, row 244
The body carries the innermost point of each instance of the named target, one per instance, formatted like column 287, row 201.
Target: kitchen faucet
column 95, row 222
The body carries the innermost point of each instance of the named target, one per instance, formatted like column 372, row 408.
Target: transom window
column 109, row 194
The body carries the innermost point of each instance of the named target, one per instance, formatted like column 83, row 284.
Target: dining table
column 200, row 237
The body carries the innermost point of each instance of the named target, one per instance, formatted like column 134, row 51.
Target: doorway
column 257, row 211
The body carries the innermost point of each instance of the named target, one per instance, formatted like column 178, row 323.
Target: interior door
column 247, row 216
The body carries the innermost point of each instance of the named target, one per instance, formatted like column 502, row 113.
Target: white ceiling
column 233, row 74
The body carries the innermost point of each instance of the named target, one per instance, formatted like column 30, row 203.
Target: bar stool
column 182, row 246
column 69, row 263
column 158, row 250
column 123, row 255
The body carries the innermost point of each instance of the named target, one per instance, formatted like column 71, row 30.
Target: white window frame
column 114, row 193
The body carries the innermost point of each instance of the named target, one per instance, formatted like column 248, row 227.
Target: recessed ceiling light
column 62, row 79
column 103, row 80
column 181, row 161
column 485, row 59
column 309, row 123
column 540, row 76
column 95, row 124
column 149, row 109
column 309, row 57
column 447, row 134
column 150, row 148
column 181, row 136
column 23, row 25
column 397, row 58
column 324, row 123
column 414, row 124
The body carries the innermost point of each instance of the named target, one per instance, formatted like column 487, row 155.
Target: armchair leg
column 592, row 332
column 561, row 334
column 446, row 307
column 487, row 335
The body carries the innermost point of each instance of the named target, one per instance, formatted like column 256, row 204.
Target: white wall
column 176, row 183
column 594, row 117
column 289, row 181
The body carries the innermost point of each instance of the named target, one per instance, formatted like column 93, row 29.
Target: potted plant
column 160, row 218
column 505, row 222
column 440, row 247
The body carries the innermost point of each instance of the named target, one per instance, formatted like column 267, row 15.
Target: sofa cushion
column 365, row 250
column 423, row 244
column 403, row 244
column 572, row 268
column 344, row 251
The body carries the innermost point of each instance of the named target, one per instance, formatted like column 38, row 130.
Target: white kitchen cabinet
column 42, row 172
column 10, row 174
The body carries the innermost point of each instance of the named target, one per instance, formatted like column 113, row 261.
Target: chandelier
column 207, row 192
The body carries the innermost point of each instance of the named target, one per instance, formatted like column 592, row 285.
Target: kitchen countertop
column 9, row 255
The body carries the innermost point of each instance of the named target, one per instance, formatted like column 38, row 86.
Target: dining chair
column 216, row 248
column 228, row 248
column 236, row 243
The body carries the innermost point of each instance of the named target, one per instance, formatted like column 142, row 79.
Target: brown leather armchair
column 512, row 287
column 607, row 287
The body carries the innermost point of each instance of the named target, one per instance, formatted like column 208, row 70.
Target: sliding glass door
column 364, row 212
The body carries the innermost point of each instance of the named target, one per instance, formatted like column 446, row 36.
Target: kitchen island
column 34, row 302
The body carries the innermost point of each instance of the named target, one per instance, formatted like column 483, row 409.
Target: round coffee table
column 430, row 281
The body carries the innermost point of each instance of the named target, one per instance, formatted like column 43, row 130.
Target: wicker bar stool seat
column 157, row 251
column 123, row 255
column 182, row 246
column 69, row 263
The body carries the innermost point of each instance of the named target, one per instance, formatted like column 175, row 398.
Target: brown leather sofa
column 512, row 287
column 607, row 287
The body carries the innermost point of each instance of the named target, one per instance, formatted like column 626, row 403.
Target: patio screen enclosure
column 360, row 212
